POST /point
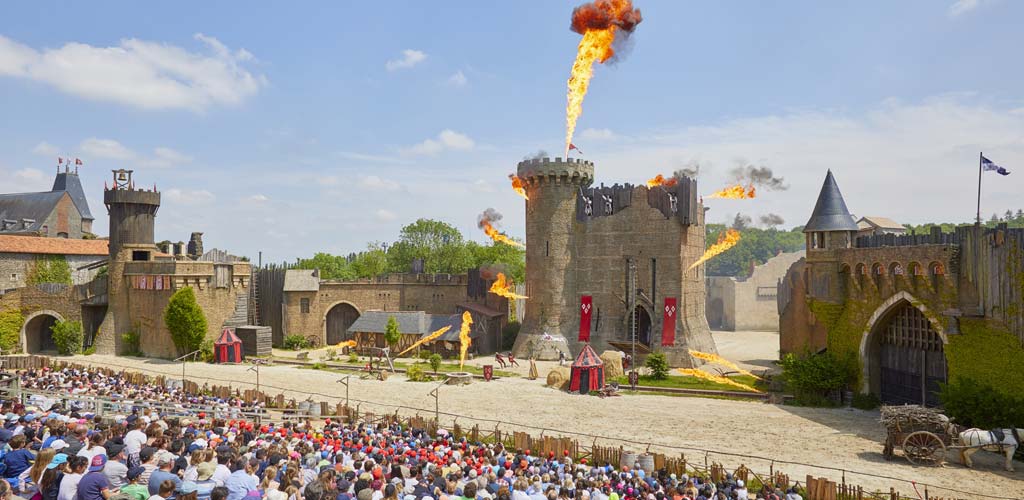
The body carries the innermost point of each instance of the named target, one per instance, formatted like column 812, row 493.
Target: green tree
column 185, row 320
column 391, row 333
column 11, row 322
column 755, row 246
column 68, row 337
column 439, row 244
column 50, row 269
column 371, row 263
column 435, row 362
column 332, row 267
column 657, row 364
column 507, row 257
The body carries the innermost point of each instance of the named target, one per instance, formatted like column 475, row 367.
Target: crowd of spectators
column 61, row 452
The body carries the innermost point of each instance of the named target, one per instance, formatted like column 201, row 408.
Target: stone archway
column 902, row 352
column 337, row 319
column 36, row 335
column 643, row 325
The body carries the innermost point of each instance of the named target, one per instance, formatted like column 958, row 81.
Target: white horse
column 975, row 439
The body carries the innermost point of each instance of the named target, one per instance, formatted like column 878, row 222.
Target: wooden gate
column 912, row 360
column 339, row 318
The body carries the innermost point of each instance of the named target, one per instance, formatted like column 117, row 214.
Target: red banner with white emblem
column 586, row 308
column 668, row 325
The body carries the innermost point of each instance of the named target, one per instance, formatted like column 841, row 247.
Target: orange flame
column 497, row 236
column 693, row 372
column 726, row 241
column 517, row 186
column 598, row 22
column 737, row 192
column 503, row 288
column 660, row 180
column 346, row 343
column 426, row 339
column 714, row 358
column 464, row 340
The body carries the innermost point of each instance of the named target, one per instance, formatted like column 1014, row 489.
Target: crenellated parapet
column 556, row 170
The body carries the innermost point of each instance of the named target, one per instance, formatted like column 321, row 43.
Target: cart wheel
column 887, row 448
column 924, row 448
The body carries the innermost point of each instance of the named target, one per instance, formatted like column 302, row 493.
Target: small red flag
column 60, row 160
column 573, row 146
column 78, row 162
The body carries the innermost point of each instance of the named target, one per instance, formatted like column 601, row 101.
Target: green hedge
column 975, row 404
column 185, row 320
column 68, row 337
column 983, row 352
column 52, row 269
column 11, row 322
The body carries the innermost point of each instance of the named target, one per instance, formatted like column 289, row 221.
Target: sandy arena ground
column 846, row 439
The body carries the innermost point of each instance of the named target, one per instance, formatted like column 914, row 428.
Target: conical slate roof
column 68, row 181
column 830, row 212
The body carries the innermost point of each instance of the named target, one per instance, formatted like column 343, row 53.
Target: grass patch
column 453, row 367
column 684, row 382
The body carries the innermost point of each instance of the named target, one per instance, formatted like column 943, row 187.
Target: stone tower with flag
column 605, row 261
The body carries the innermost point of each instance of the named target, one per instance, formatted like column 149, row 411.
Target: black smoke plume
column 772, row 220
column 762, row 177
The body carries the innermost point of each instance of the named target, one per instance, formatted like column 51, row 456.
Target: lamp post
column 256, row 368
column 344, row 380
column 183, row 358
column 437, row 402
column 632, row 319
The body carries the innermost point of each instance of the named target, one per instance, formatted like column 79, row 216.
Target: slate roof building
column 61, row 212
column 368, row 330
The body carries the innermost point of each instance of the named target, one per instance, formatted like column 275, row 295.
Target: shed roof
column 411, row 323
column 52, row 246
column 880, row 222
column 301, row 280
column 830, row 212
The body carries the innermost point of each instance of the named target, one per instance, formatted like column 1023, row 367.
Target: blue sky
column 328, row 125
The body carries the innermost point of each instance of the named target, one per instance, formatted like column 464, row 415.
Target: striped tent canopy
column 228, row 348
column 587, row 372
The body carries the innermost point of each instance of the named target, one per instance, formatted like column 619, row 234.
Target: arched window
column 915, row 269
column 937, row 273
column 862, row 271
column 877, row 274
column 896, row 271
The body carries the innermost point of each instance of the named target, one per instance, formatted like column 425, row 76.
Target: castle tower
column 830, row 227
column 552, row 186
column 132, row 213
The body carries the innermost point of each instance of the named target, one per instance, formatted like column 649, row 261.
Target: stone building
column 737, row 304
column 61, row 212
column 133, row 294
column 867, row 226
column 911, row 311
column 603, row 262
column 368, row 331
column 20, row 254
column 323, row 310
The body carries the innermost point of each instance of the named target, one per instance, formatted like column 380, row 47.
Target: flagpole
column 980, row 156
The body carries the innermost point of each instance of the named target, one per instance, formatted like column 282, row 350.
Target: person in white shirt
column 69, row 485
column 95, row 446
column 134, row 440
column 222, row 473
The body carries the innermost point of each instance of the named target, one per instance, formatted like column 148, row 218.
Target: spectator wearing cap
column 94, row 485
column 116, row 469
column 164, row 462
column 204, row 480
column 147, row 459
column 135, row 490
column 49, row 484
column 69, row 485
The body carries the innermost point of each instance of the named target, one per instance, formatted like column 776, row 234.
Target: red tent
column 587, row 372
column 227, row 349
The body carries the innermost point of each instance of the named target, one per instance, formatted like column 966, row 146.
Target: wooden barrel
column 314, row 409
column 647, row 462
column 303, row 408
column 628, row 459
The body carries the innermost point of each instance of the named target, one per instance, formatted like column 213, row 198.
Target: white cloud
column 106, row 148
column 385, row 215
column 447, row 140
column 110, row 149
column 597, row 134
column 30, row 175
column 45, row 149
column 409, row 59
column 458, row 79
column 376, row 183
column 962, row 7
column 138, row 73
column 908, row 161
column 482, row 186
column 189, row 196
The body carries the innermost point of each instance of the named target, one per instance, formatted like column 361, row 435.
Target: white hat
column 739, row 483
column 59, row 444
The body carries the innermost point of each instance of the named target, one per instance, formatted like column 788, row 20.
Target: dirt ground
column 844, row 439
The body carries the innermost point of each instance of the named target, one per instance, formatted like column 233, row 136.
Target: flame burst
column 725, row 241
column 598, row 22
column 426, row 339
column 503, row 288
column 464, row 340
column 737, row 192
column 660, row 180
column 693, row 372
column 497, row 236
column 714, row 358
column 517, row 186
column 346, row 343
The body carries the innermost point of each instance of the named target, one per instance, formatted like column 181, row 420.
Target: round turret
column 132, row 212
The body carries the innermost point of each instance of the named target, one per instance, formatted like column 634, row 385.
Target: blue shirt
column 17, row 461
column 239, row 484
column 92, row 485
column 159, row 476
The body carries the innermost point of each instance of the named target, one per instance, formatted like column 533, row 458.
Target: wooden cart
column 922, row 433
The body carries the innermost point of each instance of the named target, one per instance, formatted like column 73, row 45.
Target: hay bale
column 558, row 377
column 612, row 364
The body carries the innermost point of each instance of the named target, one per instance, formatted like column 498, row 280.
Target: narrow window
column 654, row 279
column 547, row 248
column 304, row 305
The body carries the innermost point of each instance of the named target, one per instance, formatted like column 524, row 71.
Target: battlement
column 574, row 169
column 139, row 197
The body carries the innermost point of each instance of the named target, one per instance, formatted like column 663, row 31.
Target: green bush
column 89, row 351
column 131, row 344
column 867, row 401
column 11, row 322
column 52, row 269
column 68, row 337
column 392, row 334
column 185, row 320
column 435, row 362
column 812, row 377
column 295, row 342
column 424, row 355
column 415, row 373
column 657, row 364
column 353, row 358
column 206, row 351
column 974, row 404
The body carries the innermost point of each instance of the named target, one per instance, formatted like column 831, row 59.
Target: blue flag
column 988, row 166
